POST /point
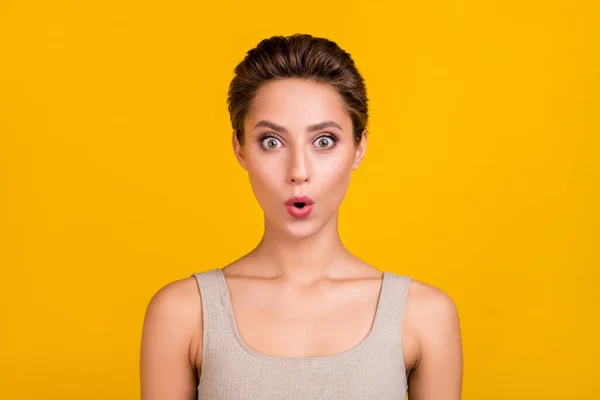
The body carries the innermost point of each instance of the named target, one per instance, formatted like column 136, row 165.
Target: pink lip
column 299, row 212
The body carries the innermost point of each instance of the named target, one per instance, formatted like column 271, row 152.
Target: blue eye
column 325, row 142
column 270, row 142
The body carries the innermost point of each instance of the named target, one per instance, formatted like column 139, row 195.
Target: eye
column 270, row 142
column 325, row 142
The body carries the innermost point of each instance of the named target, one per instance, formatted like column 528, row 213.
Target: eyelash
column 333, row 138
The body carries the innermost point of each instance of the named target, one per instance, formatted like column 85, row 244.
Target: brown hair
column 297, row 56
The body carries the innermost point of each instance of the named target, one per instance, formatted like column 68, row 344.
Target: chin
column 295, row 228
column 301, row 229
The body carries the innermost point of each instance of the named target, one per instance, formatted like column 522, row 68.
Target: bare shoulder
column 430, row 305
column 436, row 347
column 430, row 315
column 176, row 304
column 172, row 326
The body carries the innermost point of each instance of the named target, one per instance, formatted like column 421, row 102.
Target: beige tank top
column 373, row 369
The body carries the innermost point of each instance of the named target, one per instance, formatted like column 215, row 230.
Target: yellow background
column 482, row 176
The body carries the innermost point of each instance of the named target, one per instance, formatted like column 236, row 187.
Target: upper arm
column 438, row 374
column 171, row 324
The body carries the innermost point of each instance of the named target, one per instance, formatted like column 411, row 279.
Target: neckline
column 334, row 356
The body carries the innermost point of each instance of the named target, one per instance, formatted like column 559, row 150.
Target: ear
column 238, row 150
column 360, row 151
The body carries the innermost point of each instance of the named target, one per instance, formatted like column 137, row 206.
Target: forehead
column 296, row 103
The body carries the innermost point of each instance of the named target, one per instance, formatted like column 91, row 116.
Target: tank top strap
column 392, row 304
column 217, row 329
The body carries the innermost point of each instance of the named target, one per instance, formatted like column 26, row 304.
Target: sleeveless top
column 373, row 369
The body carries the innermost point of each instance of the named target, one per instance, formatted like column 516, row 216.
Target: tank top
column 373, row 369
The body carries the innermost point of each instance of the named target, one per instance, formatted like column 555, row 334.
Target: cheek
column 336, row 175
column 265, row 179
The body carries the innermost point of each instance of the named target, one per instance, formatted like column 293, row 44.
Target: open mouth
column 300, row 206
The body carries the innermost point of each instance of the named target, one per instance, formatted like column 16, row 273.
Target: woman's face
column 298, row 141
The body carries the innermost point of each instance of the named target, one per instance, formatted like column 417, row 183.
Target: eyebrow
column 311, row 128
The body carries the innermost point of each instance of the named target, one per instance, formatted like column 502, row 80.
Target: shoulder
column 433, row 342
column 432, row 304
column 174, row 314
column 172, row 326
column 431, row 312
column 175, row 301
column 432, row 317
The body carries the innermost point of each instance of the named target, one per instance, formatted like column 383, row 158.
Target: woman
column 299, row 316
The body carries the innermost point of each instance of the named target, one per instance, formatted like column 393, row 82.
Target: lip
column 296, row 212
column 299, row 199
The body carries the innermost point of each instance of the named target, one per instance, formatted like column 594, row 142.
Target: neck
column 301, row 259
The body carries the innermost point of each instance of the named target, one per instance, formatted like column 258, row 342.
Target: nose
column 299, row 167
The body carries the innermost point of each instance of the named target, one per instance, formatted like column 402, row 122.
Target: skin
column 299, row 292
